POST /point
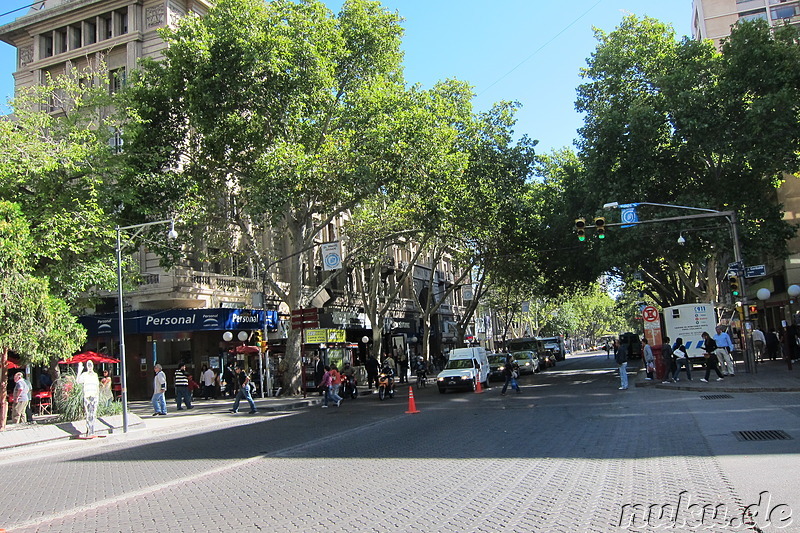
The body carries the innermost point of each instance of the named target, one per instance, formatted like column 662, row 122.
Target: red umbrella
column 11, row 364
column 88, row 356
column 247, row 349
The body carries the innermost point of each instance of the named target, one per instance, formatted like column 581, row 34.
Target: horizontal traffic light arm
column 668, row 219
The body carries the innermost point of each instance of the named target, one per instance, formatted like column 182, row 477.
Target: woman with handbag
column 681, row 357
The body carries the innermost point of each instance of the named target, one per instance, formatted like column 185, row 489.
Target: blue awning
column 144, row 321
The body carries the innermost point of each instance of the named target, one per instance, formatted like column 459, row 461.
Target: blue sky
column 530, row 51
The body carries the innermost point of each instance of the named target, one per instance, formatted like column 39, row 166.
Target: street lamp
column 171, row 235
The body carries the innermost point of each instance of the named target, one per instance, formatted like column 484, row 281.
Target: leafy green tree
column 56, row 164
column 266, row 121
column 677, row 122
column 34, row 324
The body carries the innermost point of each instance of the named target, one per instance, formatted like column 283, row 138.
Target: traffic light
column 733, row 283
column 580, row 227
column 752, row 310
column 257, row 337
column 600, row 227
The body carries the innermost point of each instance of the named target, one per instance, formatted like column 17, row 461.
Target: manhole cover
column 716, row 397
column 767, row 434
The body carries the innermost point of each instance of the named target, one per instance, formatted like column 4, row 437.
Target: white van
column 465, row 367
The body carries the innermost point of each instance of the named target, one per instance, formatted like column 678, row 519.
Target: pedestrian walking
column 209, row 380
column 182, row 393
column 243, row 392
column 724, row 349
column 319, row 371
column 622, row 362
column 649, row 359
column 327, row 386
column 759, row 343
column 229, row 378
column 372, row 366
column 91, row 394
column 159, row 389
column 773, row 344
column 607, row 348
column 336, row 380
column 681, row 357
column 22, row 396
column 403, row 368
column 511, row 373
column 712, row 362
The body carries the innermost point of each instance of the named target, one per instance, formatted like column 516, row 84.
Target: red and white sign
column 650, row 314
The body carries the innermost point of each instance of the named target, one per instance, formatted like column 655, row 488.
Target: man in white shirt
column 209, row 380
column 22, row 395
column 759, row 342
column 724, row 349
column 159, row 389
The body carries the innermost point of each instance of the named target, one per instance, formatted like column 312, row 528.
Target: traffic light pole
column 730, row 216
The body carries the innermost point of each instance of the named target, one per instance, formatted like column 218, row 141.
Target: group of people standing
column 717, row 356
column 237, row 385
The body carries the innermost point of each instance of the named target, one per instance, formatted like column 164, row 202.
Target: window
column 61, row 40
column 76, row 35
column 753, row 15
column 116, row 80
column 122, row 22
column 106, row 27
column 46, row 46
column 91, row 32
column 784, row 12
column 115, row 141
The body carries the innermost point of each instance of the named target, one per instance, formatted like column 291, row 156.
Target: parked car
column 497, row 362
column 528, row 361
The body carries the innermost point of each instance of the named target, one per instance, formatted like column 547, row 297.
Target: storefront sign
column 146, row 321
column 324, row 336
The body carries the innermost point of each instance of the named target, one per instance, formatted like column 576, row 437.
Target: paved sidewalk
column 770, row 376
column 41, row 430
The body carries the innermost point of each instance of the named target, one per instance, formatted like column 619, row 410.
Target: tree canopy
column 677, row 122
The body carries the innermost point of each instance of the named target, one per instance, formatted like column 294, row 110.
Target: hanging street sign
column 755, row 271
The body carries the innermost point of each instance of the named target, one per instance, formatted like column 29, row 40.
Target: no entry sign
column 650, row 314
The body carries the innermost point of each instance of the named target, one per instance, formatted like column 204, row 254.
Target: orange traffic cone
column 412, row 406
column 478, row 388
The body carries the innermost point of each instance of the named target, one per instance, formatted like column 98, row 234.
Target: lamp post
column 171, row 235
column 794, row 292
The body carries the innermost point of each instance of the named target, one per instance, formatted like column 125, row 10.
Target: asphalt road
column 570, row 454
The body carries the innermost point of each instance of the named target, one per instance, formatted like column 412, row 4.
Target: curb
column 41, row 433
